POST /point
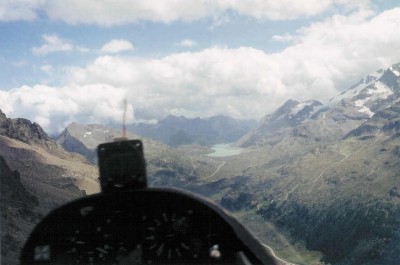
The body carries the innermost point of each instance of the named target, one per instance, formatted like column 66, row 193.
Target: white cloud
column 187, row 43
column 55, row 107
column 290, row 9
column 281, row 10
column 53, row 43
column 117, row 46
column 344, row 47
column 283, row 38
column 114, row 12
column 327, row 57
column 244, row 82
column 117, row 12
column 13, row 10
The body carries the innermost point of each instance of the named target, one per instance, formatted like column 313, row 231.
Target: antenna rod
column 124, row 121
column 123, row 137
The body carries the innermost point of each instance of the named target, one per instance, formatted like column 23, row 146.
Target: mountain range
column 330, row 122
column 177, row 131
column 318, row 182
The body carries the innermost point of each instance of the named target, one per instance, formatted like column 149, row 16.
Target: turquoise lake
column 222, row 150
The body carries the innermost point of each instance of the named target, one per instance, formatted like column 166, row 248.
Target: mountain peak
column 286, row 117
column 288, row 105
column 294, row 110
column 23, row 130
column 372, row 93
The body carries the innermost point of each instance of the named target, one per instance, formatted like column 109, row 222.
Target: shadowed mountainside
column 18, row 213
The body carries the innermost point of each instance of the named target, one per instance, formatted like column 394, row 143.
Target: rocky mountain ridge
column 23, row 130
column 270, row 128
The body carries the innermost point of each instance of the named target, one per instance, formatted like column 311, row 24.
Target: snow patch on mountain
column 294, row 110
column 87, row 134
column 302, row 105
column 395, row 72
column 356, row 89
column 395, row 69
column 95, row 130
column 361, row 103
column 379, row 91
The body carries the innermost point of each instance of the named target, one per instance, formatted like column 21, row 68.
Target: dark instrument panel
column 150, row 226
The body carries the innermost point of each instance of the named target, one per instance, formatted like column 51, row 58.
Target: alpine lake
column 223, row 150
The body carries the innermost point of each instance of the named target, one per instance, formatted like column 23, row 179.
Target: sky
column 64, row 61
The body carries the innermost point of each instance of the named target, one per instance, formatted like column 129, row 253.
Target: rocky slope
column 36, row 175
column 18, row 213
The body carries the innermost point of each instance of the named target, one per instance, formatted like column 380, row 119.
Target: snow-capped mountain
column 374, row 92
column 331, row 122
column 292, row 113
